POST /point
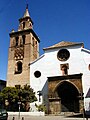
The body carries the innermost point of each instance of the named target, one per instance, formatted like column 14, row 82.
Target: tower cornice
column 23, row 32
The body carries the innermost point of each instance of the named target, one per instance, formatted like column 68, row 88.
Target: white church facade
column 61, row 78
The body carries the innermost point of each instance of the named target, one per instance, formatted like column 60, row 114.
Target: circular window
column 63, row 55
column 37, row 74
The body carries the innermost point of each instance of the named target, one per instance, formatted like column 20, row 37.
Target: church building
column 60, row 77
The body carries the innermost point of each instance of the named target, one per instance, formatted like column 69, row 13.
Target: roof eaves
column 86, row 50
column 53, row 47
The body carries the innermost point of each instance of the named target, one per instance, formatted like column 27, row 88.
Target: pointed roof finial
column 26, row 14
column 26, row 6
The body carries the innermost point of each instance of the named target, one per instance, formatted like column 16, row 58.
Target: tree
column 10, row 96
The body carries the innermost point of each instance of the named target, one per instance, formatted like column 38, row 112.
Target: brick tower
column 24, row 48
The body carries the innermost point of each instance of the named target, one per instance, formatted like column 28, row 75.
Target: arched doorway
column 68, row 94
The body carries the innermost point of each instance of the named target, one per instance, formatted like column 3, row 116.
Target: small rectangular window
column 17, row 41
column 23, row 25
column 23, row 39
column 64, row 69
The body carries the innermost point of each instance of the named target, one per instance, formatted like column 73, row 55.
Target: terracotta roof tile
column 63, row 44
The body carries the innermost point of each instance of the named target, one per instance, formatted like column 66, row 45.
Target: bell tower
column 23, row 49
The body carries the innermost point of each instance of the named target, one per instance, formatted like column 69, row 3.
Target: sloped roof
column 26, row 14
column 36, row 59
column 85, row 50
column 64, row 44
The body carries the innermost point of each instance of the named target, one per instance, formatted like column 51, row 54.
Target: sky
column 54, row 21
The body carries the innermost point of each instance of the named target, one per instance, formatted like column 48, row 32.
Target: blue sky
column 54, row 21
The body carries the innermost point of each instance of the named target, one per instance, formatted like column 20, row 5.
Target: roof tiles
column 64, row 44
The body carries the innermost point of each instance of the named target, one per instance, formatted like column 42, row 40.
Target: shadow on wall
column 45, row 94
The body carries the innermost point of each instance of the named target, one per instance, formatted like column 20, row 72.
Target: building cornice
column 23, row 32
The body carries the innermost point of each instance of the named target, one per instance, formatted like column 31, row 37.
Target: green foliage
column 28, row 94
column 10, row 96
column 41, row 107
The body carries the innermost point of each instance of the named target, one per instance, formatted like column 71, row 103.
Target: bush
column 41, row 107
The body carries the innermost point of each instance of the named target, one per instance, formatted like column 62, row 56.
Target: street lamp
column 39, row 94
column 19, row 103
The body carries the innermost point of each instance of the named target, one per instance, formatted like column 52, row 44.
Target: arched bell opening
column 68, row 94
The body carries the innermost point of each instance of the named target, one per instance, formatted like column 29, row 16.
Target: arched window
column 23, row 25
column 23, row 39
column 18, row 68
column 17, row 41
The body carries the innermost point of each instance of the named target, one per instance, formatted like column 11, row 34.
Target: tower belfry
column 23, row 49
column 25, row 22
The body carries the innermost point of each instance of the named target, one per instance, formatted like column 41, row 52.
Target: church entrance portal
column 68, row 95
column 65, row 94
